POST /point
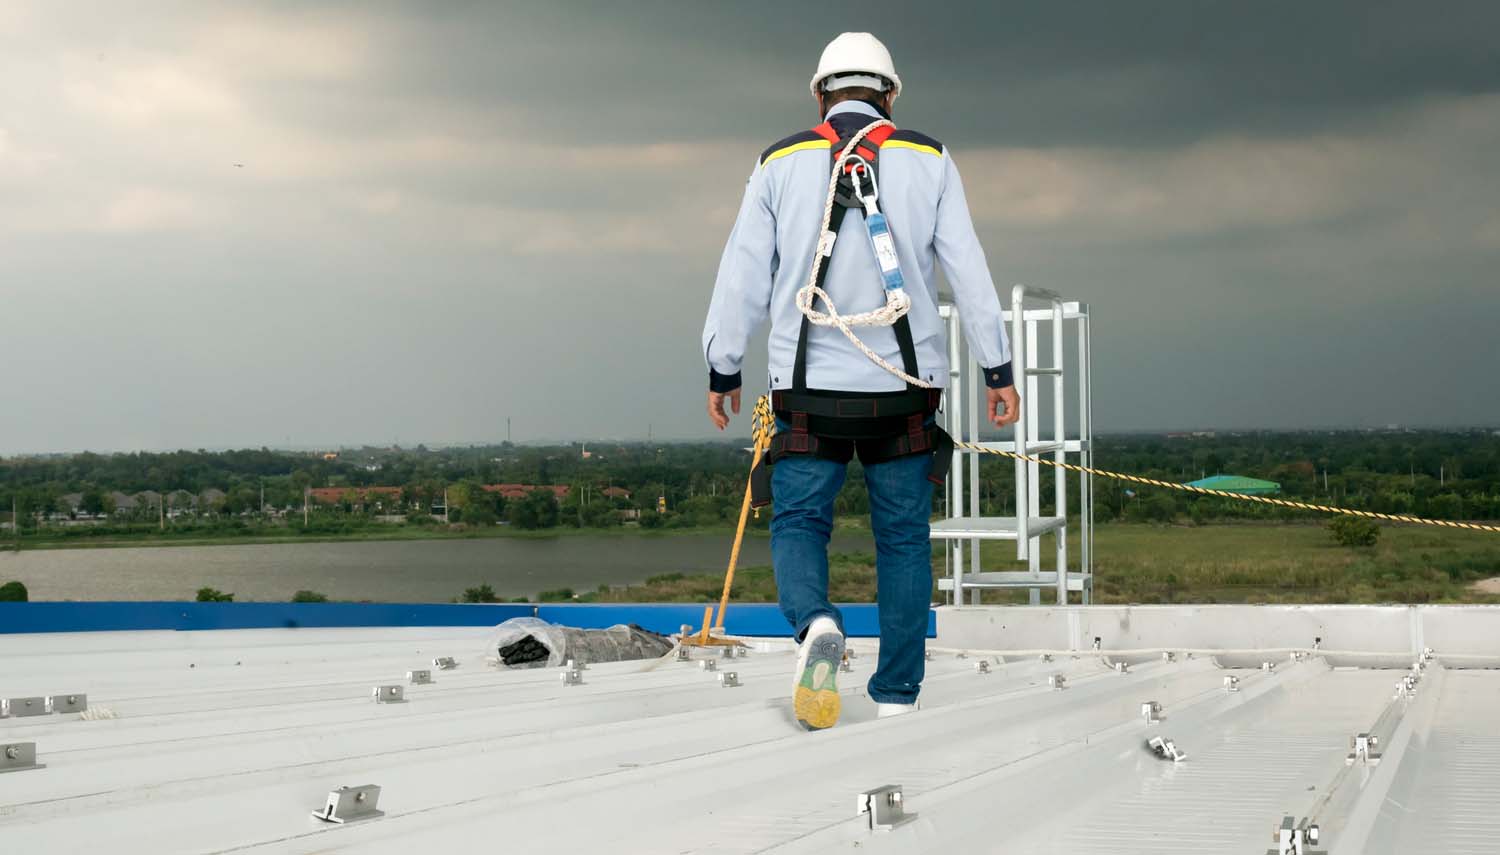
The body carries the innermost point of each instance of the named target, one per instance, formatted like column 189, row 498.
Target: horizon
column 717, row 439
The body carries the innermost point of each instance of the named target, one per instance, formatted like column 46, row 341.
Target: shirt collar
column 852, row 107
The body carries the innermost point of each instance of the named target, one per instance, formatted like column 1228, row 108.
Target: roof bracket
column 419, row 678
column 444, row 663
column 1364, row 745
column 1294, row 839
column 572, row 677
column 22, row 707
column 1151, row 712
column 62, row 704
column 884, row 807
column 729, row 679
column 388, row 694
column 1166, row 749
column 19, row 757
column 351, row 804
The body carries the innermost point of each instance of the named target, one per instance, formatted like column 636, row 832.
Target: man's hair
column 852, row 93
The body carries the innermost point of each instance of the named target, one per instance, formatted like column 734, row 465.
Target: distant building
column 360, row 495
column 69, row 503
column 211, row 497
column 148, row 499
column 1237, row 484
column 123, row 504
column 615, row 493
column 519, row 491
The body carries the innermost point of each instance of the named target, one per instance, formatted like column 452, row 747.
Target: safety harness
column 878, row 426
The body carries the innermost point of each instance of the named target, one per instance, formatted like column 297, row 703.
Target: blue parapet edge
column 763, row 619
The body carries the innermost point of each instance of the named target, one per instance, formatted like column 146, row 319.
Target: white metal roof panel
column 225, row 741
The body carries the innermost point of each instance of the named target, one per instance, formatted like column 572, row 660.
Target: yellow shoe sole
column 817, row 710
column 816, row 700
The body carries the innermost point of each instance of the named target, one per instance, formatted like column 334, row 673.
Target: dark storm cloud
column 1026, row 73
column 453, row 213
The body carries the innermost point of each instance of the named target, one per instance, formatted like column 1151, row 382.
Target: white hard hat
column 856, row 59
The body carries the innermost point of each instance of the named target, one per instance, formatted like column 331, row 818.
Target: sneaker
column 888, row 710
column 815, row 693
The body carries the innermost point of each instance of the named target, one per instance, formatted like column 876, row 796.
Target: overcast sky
column 245, row 224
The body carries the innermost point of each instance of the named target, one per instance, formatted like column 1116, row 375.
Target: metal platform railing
column 965, row 527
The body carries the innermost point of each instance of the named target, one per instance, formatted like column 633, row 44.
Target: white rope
column 896, row 302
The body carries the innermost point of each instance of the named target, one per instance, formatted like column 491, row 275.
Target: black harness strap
column 879, row 426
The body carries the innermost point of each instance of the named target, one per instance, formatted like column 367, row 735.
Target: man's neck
column 868, row 108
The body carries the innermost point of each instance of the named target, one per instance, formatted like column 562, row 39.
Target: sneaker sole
column 816, row 698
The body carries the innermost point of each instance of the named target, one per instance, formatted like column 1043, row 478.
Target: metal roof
column 220, row 741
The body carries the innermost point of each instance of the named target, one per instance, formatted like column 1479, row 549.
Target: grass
column 1273, row 563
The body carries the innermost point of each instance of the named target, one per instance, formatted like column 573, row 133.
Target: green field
column 1246, row 563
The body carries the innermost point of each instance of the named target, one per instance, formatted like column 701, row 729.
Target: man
column 831, row 399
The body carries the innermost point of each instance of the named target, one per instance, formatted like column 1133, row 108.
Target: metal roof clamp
column 19, row 757
column 845, row 665
column 351, row 804
column 1268, row 666
column 927, row 655
column 1045, row 657
column 1057, row 682
column 1293, row 839
column 1151, row 712
column 1231, row 684
column 1168, row 656
column 63, row 704
column 444, row 663
column 708, row 665
column 571, row 677
column 683, row 655
column 884, row 807
column 727, row 653
column 851, row 653
column 1121, row 668
column 1166, row 749
column 729, row 679
column 982, row 666
column 419, row 678
column 388, row 694
column 1364, row 750
column 22, row 707
column 1406, row 687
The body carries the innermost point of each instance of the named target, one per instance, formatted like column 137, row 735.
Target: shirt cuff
column 726, row 383
column 999, row 377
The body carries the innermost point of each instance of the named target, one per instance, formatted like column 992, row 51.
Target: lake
column 380, row 571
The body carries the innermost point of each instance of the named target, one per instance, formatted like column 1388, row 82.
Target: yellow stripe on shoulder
column 913, row 146
column 793, row 149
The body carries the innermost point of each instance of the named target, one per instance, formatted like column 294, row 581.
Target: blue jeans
column 803, row 488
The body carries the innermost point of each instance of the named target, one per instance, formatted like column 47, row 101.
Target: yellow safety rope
column 1264, row 500
column 763, row 427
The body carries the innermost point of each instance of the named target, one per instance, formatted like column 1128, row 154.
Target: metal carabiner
column 860, row 165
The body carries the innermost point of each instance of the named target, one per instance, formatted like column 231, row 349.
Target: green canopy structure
column 1237, row 484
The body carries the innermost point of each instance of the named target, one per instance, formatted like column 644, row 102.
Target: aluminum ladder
column 964, row 528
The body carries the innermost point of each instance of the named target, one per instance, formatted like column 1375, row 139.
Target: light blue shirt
column 770, row 253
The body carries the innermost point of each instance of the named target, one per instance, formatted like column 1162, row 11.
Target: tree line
column 1443, row 474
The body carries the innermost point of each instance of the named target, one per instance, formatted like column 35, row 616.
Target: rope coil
column 896, row 302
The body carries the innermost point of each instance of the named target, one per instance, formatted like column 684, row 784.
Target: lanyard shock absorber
column 875, row 223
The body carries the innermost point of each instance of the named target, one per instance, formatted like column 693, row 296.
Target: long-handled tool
column 762, row 426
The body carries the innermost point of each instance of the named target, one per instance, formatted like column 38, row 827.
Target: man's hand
column 716, row 407
column 1005, row 414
